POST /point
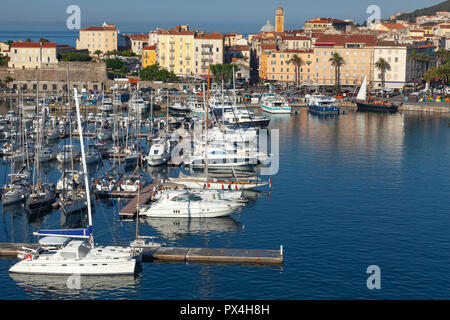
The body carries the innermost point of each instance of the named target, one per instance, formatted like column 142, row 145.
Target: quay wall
column 89, row 75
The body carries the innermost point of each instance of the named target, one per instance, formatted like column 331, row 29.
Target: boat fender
column 28, row 256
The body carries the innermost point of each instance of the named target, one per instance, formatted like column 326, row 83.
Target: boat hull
column 319, row 110
column 106, row 267
column 363, row 106
column 276, row 110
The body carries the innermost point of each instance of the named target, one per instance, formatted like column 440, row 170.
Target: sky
column 245, row 16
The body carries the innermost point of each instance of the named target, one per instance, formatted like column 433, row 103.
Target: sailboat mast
column 206, row 122
column 83, row 160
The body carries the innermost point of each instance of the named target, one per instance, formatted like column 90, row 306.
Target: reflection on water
column 348, row 186
column 74, row 287
column 178, row 229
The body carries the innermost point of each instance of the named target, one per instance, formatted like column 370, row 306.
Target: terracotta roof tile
column 33, row 45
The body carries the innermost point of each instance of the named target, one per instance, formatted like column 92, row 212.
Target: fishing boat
column 321, row 104
column 72, row 251
column 365, row 103
column 274, row 103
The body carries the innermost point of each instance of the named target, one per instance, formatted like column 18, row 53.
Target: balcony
column 172, row 50
column 207, row 53
column 205, row 59
column 207, row 45
column 172, row 65
column 188, row 58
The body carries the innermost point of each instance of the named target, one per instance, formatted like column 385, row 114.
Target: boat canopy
column 53, row 241
column 68, row 233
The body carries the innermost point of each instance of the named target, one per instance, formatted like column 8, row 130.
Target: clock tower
column 279, row 19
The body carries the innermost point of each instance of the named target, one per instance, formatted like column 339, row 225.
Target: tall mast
column 206, row 122
column 83, row 160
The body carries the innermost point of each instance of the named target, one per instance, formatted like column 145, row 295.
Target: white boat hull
column 98, row 267
column 276, row 110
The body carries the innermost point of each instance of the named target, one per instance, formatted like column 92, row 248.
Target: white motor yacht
column 159, row 154
column 274, row 103
column 184, row 204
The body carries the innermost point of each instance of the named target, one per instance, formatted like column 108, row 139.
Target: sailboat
column 372, row 104
column 72, row 251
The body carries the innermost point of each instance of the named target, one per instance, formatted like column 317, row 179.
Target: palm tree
column 8, row 80
column 430, row 75
column 297, row 62
column 98, row 53
column 442, row 56
column 383, row 66
column 337, row 62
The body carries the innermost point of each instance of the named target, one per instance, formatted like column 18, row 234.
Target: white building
column 403, row 69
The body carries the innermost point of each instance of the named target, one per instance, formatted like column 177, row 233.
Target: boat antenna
column 83, row 159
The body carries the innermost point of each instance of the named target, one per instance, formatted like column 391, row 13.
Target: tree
column 114, row 64
column 28, row 40
column 223, row 72
column 442, row 55
column 43, row 40
column 155, row 72
column 297, row 62
column 337, row 62
column 75, row 56
column 382, row 65
column 127, row 53
column 430, row 75
column 8, row 80
column 98, row 53
column 9, row 42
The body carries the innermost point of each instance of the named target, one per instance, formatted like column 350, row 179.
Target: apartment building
column 32, row 55
column 357, row 51
column 104, row 38
column 149, row 56
column 138, row 42
column 208, row 48
column 279, row 67
column 175, row 51
column 404, row 70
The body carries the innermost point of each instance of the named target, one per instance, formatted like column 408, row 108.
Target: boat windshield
column 186, row 198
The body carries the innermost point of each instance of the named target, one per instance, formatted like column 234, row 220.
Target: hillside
column 429, row 11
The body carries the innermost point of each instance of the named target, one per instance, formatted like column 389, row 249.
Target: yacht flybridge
column 72, row 251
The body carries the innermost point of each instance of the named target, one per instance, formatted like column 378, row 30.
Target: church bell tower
column 279, row 19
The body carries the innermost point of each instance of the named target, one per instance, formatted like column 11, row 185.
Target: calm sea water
column 352, row 191
column 66, row 36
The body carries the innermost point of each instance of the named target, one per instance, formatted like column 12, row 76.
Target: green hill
column 429, row 11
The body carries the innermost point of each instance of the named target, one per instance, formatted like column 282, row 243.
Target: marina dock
column 184, row 255
column 130, row 210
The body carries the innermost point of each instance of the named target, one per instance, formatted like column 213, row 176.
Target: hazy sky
column 210, row 15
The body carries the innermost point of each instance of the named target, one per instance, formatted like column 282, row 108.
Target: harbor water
column 352, row 191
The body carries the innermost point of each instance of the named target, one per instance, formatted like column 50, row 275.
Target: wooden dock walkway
column 184, row 255
column 130, row 210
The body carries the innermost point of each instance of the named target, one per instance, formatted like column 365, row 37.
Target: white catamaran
column 72, row 251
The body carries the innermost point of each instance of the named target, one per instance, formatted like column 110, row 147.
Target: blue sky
column 210, row 15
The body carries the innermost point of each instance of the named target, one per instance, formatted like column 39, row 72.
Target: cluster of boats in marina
column 216, row 141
